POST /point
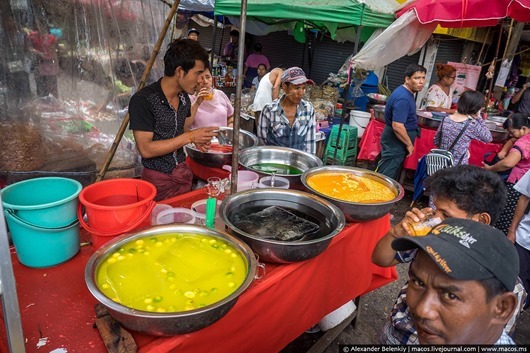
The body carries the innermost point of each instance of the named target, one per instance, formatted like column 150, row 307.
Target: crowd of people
column 467, row 279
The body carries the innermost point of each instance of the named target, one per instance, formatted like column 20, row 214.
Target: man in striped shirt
column 289, row 121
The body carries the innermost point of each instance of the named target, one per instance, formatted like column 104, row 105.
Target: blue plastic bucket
column 42, row 247
column 49, row 202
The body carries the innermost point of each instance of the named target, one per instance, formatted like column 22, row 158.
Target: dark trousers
column 524, row 266
column 393, row 152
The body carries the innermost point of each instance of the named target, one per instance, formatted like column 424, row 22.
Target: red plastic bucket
column 116, row 206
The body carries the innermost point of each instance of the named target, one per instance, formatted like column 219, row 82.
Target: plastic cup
column 209, row 97
column 420, row 229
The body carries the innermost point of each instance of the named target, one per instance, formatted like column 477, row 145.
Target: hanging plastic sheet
column 403, row 37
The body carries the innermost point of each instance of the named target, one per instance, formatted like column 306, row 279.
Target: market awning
column 468, row 13
column 369, row 13
column 266, row 16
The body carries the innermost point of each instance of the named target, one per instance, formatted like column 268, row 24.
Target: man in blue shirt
column 397, row 139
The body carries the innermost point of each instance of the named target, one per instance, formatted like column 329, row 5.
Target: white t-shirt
column 522, row 234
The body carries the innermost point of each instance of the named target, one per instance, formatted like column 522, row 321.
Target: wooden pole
column 488, row 96
column 147, row 70
column 237, row 103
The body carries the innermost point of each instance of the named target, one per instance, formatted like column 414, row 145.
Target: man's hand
column 413, row 216
column 410, row 150
column 511, row 235
column 202, row 137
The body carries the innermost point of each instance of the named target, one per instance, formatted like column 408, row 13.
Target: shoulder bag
column 439, row 158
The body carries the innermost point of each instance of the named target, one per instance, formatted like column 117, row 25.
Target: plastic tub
column 42, row 247
column 48, row 202
column 176, row 215
column 159, row 207
column 199, row 207
column 117, row 205
column 279, row 182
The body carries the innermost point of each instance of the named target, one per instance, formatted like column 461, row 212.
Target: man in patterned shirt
column 157, row 114
column 466, row 192
column 460, row 283
column 289, row 121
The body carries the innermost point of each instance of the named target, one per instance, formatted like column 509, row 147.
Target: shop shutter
column 395, row 73
column 328, row 55
column 448, row 50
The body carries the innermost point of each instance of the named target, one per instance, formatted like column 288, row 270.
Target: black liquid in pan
column 279, row 223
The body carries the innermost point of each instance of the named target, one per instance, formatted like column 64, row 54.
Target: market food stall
column 57, row 310
column 370, row 147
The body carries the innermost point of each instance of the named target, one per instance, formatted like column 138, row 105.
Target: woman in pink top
column 209, row 106
column 518, row 158
column 251, row 65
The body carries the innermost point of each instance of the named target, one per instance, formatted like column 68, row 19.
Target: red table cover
column 204, row 172
column 57, row 307
column 370, row 147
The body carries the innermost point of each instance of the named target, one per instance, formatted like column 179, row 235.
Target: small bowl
column 279, row 182
column 199, row 208
column 176, row 215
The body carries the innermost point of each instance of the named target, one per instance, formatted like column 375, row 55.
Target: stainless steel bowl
column 328, row 215
column 279, row 155
column 211, row 159
column 430, row 123
column 497, row 119
column 499, row 135
column 168, row 324
column 379, row 112
column 357, row 211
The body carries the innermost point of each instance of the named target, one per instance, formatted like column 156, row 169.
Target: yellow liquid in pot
column 172, row 272
column 350, row 187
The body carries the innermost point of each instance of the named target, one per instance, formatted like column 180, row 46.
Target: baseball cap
column 296, row 76
column 193, row 30
column 467, row 250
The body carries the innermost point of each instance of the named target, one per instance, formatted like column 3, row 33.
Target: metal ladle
column 223, row 138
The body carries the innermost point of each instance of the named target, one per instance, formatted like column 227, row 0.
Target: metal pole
column 147, row 70
column 8, row 291
column 237, row 105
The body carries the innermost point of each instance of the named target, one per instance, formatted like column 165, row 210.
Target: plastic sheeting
column 76, row 62
column 403, row 37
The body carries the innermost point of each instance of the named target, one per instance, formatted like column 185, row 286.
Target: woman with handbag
column 518, row 158
column 457, row 130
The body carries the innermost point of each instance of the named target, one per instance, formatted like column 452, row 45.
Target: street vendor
column 397, row 139
column 443, row 95
column 289, row 121
column 158, row 113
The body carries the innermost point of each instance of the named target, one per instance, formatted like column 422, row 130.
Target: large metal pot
column 328, row 215
column 279, row 155
column 379, row 112
column 499, row 135
column 430, row 123
column 169, row 323
column 211, row 159
column 357, row 211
